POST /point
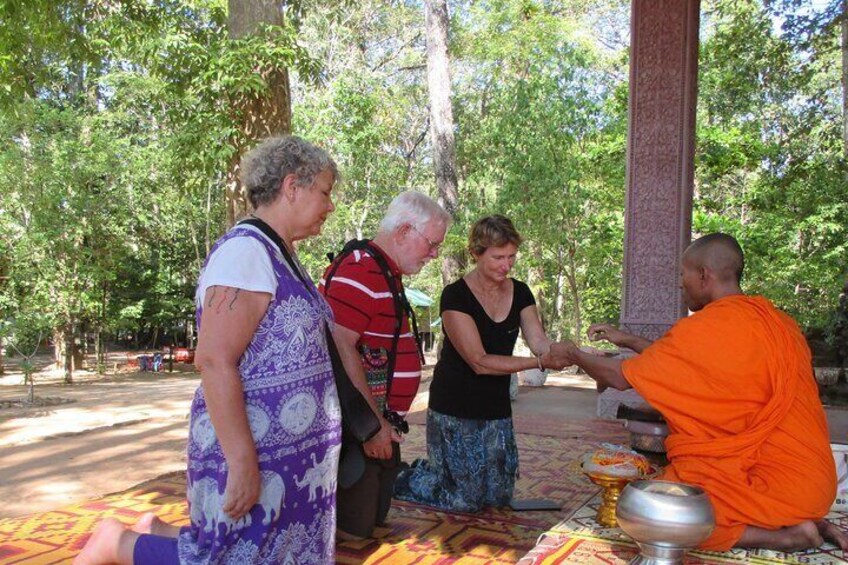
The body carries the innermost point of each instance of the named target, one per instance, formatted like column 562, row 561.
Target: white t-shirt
column 240, row 262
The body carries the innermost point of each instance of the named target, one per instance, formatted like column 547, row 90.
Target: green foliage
column 539, row 144
column 121, row 119
column 770, row 167
column 118, row 128
column 369, row 112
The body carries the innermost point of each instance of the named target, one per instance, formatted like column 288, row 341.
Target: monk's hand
column 380, row 446
column 607, row 332
column 594, row 351
column 243, row 487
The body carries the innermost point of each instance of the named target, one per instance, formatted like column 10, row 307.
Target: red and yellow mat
column 57, row 536
column 549, row 467
column 579, row 539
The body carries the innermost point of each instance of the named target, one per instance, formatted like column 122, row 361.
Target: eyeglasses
column 434, row 246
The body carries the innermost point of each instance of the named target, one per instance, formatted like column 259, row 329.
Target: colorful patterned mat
column 57, row 536
column 580, row 539
column 548, row 467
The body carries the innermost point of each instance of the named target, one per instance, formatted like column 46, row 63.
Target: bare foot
column 102, row 546
column 833, row 534
column 145, row 523
column 791, row 538
column 150, row 523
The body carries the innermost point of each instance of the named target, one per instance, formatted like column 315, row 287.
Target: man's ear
column 404, row 229
column 705, row 275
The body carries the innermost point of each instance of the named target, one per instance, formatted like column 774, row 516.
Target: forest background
column 123, row 120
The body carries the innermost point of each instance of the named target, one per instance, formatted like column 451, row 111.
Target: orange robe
column 735, row 383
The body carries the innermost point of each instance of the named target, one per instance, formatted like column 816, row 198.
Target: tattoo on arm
column 223, row 299
column 235, row 296
column 212, row 296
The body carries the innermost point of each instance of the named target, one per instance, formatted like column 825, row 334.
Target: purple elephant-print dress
column 295, row 419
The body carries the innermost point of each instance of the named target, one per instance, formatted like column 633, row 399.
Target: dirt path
column 118, row 432
column 122, row 430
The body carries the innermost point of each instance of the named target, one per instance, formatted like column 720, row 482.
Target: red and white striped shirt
column 362, row 302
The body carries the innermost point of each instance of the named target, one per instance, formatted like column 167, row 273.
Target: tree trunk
column 571, row 277
column 845, row 77
column 99, row 350
column 190, row 334
column 2, row 368
column 30, row 389
column 99, row 360
column 257, row 116
column 59, row 346
column 68, row 350
column 441, row 120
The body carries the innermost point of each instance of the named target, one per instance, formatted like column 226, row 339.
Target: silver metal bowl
column 665, row 519
column 647, row 436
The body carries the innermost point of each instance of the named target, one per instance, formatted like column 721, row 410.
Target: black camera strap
column 401, row 303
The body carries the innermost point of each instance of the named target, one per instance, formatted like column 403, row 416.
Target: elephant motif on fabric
column 207, row 503
column 259, row 422
column 207, row 507
column 331, row 405
column 203, row 432
column 272, row 495
column 321, row 475
column 298, row 413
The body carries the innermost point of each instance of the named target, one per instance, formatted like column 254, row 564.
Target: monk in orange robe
column 734, row 381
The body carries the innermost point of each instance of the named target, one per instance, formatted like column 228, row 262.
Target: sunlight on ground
column 565, row 378
column 61, row 488
column 64, row 421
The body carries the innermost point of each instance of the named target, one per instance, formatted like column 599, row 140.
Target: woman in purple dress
column 265, row 425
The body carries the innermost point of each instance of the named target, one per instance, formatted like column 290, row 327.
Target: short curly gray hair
column 265, row 166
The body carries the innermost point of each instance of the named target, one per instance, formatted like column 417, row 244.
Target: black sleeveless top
column 458, row 391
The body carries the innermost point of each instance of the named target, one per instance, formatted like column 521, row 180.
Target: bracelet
column 539, row 362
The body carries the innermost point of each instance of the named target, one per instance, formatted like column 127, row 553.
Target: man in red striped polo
column 366, row 315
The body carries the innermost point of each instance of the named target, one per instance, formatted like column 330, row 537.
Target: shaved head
column 720, row 253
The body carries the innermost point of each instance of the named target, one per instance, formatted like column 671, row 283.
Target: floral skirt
column 471, row 464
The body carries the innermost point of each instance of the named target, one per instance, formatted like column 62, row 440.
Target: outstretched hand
column 607, row 332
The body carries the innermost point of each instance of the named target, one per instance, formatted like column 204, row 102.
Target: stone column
column 660, row 168
column 660, row 156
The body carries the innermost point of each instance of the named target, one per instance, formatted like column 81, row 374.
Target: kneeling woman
column 472, row 457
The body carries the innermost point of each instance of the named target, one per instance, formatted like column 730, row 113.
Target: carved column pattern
column 660, row 156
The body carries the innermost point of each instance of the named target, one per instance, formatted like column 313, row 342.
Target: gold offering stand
column 612, row 487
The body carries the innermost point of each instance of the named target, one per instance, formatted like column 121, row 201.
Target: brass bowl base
column 609, row 498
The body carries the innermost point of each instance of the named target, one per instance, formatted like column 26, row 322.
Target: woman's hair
column 415, row 209
column 492, row 231
column 266, row 165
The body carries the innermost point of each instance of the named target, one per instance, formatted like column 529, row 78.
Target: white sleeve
column 240, row 262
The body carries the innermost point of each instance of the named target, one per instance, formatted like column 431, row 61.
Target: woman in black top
column 472, row 457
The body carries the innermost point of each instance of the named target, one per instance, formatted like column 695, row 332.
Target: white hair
column 415, row 209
